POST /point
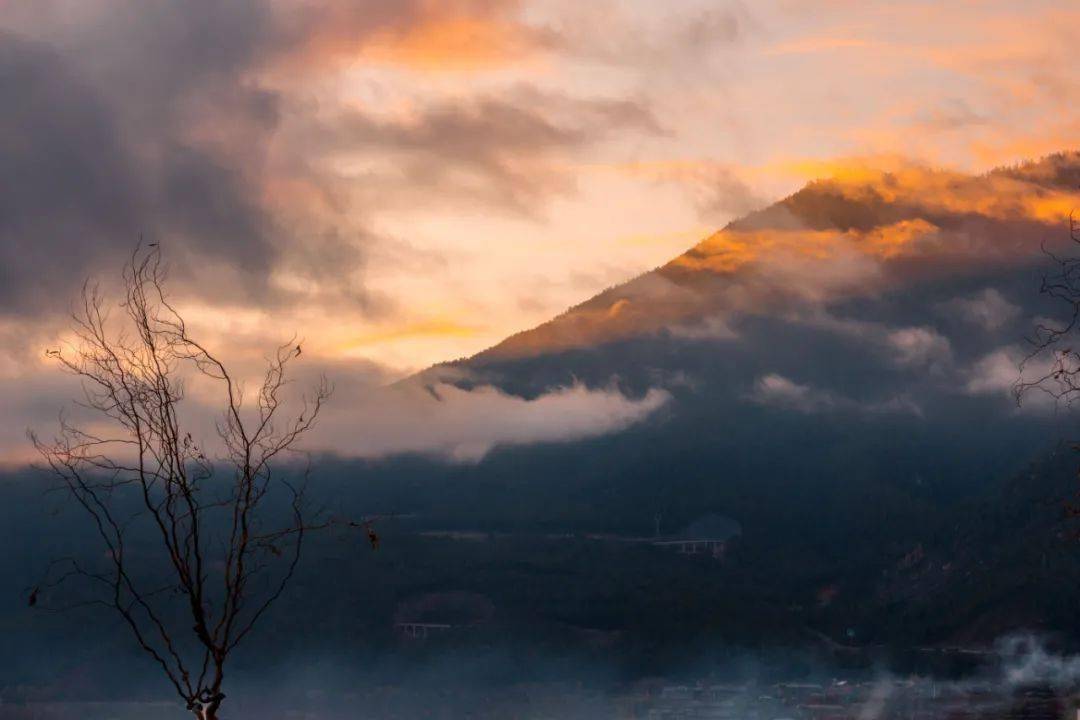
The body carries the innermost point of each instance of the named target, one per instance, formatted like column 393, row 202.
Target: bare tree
column 226, row 553
column 1052, row 366
column 1053, row 362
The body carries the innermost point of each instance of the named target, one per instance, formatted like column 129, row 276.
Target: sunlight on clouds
column 411, row 181
column 804, row 46
column 728, row 251
column 899, row 180
column 401, row 344
column 679, row 238
column 606, row 211
column 456, row 43
column 424, row 36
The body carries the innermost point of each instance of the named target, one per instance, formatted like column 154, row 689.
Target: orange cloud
column 430, row 328
column 686, row 237
column 805, row 46
column 1046, row 137
column 730, row 251
column 423, row 35
column 453, row 43
column 999, row 195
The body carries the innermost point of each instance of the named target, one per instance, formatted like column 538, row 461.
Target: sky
column 403, row 182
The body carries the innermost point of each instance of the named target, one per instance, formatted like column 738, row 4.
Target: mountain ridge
column 899, row 223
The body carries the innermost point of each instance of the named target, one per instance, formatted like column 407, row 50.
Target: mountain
column 839, row 368
column 864, row 332
column 830, row 375
column 864, row 233
column 1008, row 562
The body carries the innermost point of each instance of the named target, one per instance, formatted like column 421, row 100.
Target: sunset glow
column 428, row 178
column 487, row 359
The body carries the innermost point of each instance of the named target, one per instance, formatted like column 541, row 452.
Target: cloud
column 709, row 328
column 815, row 45
column 194, row 125
column 919, row 347
column 464, row 425
column 647, row 40
column 1000, row 371
column 489, row 36
column 864, row 233
column 141, row 121
column 778, row 391
column 950, row 114
column 717, row 190
column 995, row 372
column 69, row 191
column 278, row 150
column 454, row 35
column 364, row 417
column 34, row 401
column 916, row 348
column 1026, row 661
column 499, row 151
column 926, row 192
column 419, row 36
column 987, row 309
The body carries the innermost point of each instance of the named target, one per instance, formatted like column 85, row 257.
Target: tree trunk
column 209, row 711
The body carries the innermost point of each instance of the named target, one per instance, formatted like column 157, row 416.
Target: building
column 420, row 631
column 710, row 534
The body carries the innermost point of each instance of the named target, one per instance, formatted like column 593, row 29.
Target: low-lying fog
column 1021, row 677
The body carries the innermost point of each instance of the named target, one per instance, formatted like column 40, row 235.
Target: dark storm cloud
column 100, row 145
column 68, row 187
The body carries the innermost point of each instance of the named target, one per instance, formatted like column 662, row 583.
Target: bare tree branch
column 226, row 573
column 1051, row 344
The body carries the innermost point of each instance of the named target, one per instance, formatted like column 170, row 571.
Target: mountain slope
column 860, row 234
column 840, row 367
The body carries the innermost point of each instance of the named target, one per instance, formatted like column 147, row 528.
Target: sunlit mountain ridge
column 862, row 232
